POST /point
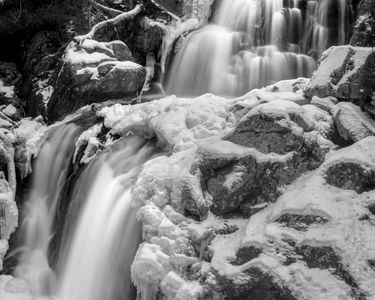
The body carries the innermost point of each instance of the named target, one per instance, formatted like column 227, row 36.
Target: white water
column 40, row 207
column 252, row 43
column 96, row 263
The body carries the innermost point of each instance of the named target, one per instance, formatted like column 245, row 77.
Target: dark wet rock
column 246, row 254
column 149, row 36
column 9, row 74
column 351, row 176
column 327, row 258
column 245, row 180
column 364, row 28
column 254, row 285
column 300, row 222
column 344, row 72
column 88, row 76
column 41, row 59
column 266, row 135
column 371, row 208
column 371, row 262
column 352, row 123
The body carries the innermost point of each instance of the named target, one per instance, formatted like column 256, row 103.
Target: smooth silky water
column 95, row 263
column 252, row 43
column 101, row 233
column 49, row 173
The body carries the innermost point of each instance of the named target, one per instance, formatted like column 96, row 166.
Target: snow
column 177, row 122
column 354, row 124
column 7, row 91
column 76, row 56
column 14, row 289
column 46, row 94
column 192, row 130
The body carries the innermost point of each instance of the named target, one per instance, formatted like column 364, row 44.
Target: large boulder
column 364, row 28
column 94, row 72
column 272, row 145
column 344, row 72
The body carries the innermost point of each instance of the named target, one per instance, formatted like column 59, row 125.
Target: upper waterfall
column 252, row 43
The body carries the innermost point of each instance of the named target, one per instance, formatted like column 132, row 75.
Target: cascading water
column 95, row 263
column 101, row 233
column 49, row 175
column 252, row 43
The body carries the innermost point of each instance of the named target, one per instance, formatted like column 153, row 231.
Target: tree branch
column 112, row 11
column 114, row 21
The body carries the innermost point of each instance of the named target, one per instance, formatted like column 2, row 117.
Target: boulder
column 352, row 123
column 94, row 72
column 364, row 28
column 346, row 73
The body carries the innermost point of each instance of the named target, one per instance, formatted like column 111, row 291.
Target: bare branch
column 114, row 21
column 111, row 11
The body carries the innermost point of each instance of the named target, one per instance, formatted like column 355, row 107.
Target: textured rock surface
column 298, row 242
column 364, row 28
column 344, row 72
column 353, row 124
column 94, row 72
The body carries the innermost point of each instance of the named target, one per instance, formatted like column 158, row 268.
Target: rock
column 11, row 112
column 9, row 74
column 8, row 94
column 245, row 177
column 254, row 284
column 94, row 72
column 327, row 104
column 351, row 176
column 327, row 258
column 41, row 60
column 364, row 28
column 149, row 37
column 352, row 123
column 344, row 72
column 299, row 222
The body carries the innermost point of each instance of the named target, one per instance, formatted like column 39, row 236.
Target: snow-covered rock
column 344, row 72
column 352, row 123
column 94, row 72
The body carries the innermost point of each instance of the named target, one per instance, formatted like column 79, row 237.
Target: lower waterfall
column 50, row 171
column 101, row 233
column 95, row 264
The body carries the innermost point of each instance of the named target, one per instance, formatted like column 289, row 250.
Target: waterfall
column 95, row 263
column 101, row 233
column 252, row 43
column 50, row 171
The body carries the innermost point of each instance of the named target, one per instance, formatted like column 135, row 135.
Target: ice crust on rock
column 189, row 253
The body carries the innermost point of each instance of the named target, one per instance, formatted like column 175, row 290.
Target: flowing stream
column 252, row 43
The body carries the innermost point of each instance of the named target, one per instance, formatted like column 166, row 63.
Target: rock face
column 94, row 72
column 344, row 72
column 41, row 60
column 352, row 124
column 364, row 28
